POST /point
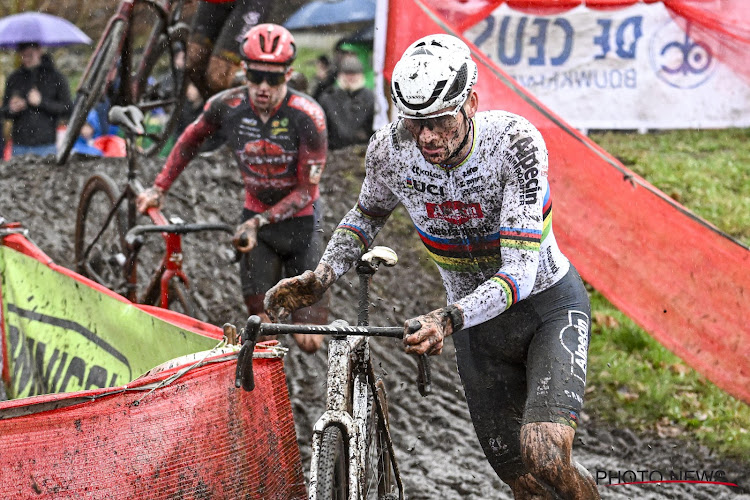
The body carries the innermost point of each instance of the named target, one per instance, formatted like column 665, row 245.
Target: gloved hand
column 246, row 236
column 436, row 325
column 151, row 197
column 297, row 292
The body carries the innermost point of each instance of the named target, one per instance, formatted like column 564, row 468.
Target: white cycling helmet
column 436, row 72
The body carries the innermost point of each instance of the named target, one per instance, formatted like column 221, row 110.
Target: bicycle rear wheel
column 92, row 87
column 379, row 480
column 332, row 481
column 157, row 77
column 100, row 249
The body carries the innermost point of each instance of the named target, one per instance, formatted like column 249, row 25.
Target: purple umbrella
column 37, row 27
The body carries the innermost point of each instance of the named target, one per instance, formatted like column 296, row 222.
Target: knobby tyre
column 92, row 87
column 332, row 482
column 101, row 257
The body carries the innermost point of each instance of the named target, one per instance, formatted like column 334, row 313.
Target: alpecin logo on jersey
column 455, row 212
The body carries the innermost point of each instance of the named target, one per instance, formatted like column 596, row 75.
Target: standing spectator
column 278, row 137
column 325, row 75
column 36, row 97
column 349, row 106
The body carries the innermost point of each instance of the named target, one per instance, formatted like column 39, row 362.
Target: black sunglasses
column 273, row 78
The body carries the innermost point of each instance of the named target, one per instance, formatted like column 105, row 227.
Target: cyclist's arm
column 521, row 232
column 357, row 230
column 187, row 146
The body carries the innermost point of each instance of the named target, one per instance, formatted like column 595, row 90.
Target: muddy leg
column 220, row 74
column 546, row 449
column 195, row 66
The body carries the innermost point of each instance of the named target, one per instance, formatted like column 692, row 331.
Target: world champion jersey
column 281, row 160
column 486, row 223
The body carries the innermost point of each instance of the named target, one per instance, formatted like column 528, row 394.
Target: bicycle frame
column 165, row 9
column 350, row 371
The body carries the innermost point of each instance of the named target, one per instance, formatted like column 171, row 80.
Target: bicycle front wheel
column 379, row 478
column 332, row 481
column 92, row 87
column 100, row 248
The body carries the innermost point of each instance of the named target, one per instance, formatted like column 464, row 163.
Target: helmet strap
column 464, row 141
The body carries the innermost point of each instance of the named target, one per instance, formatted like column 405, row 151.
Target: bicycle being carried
column 108, row 242
column 133, row 59
column 352, row 450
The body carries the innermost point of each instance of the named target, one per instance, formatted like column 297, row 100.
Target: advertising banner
column 626, row 68
column 63, row 336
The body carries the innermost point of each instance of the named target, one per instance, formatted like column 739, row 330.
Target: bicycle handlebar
column 133, row 234
column 254, row 328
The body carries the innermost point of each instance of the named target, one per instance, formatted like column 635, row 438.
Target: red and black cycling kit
column 281, row 160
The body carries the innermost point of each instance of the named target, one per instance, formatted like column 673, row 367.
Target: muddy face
column 438, row 138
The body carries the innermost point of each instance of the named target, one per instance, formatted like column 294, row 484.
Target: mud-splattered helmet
column 435, row 73
column 268, row 43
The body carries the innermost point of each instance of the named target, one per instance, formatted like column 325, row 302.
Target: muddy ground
column 436, row 446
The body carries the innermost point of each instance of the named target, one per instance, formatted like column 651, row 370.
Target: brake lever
column 424, row 377
column 243, row 375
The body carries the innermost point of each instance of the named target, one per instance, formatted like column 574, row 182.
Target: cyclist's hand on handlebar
column 436, row 325
column 246, row 236
column 151, row 197
column 297, row 292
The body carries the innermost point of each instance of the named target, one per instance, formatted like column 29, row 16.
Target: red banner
column 676, row 275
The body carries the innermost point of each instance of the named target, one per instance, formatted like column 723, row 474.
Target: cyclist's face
column 437, row 138
column 266, row 84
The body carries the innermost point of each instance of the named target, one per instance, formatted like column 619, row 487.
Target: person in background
column 218, row 28
column 36, row 97
column 349, row 106
column 278, row 138
column 298, row 81
column 324, row 75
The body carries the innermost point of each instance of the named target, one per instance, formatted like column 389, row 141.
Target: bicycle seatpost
column 366, row 267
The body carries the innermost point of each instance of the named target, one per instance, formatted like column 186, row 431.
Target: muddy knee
column 546, row 449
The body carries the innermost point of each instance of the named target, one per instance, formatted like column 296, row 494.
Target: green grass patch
column 633, row 380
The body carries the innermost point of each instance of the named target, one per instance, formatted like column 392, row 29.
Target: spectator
column 349, row 106
column 298, row 82
column 325, row 75
column 36, row 97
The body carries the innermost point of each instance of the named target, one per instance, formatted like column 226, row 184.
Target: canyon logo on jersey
column 455, row 212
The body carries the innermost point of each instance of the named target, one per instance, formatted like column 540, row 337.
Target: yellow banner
column 63, row 336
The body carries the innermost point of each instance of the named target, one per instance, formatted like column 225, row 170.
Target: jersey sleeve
column 522, row 225
column 357, row 230
column 311, row 159
column 189, row 143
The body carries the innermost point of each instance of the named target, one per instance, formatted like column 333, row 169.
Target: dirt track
column 436, row 446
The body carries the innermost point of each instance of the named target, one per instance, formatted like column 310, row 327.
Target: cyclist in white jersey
column 476, row 188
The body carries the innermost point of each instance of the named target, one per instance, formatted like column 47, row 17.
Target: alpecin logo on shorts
column 574, row 338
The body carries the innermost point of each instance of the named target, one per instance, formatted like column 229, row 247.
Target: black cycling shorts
column 221, row 26
column 526, row 365
column 286, row 248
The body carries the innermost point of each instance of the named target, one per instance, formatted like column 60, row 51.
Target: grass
column 633, row 381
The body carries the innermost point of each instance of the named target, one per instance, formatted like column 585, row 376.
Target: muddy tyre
column 332, row 482
column 99, row 245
